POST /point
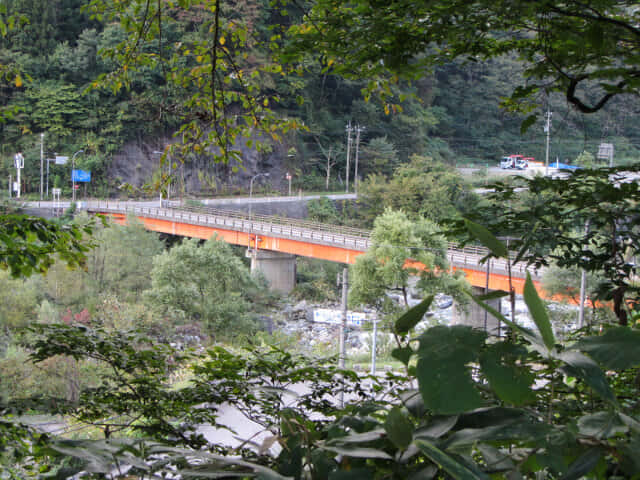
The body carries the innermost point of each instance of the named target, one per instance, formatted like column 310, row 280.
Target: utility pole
column 349, row 130
column 73, row 177
column 583, row 284
column 373, row 344
column 547, row 129
column 355, row 179
column 41, row 164
column 343, row 325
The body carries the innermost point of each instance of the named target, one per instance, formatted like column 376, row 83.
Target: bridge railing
column 276, row 226
column 470, row 255
column 274, row 219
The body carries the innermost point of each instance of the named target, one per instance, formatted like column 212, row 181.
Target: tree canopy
column 383, row 268
column 204, row 283
column 589, row 52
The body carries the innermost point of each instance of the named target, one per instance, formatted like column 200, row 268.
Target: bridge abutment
column 278, row 268
column 475, row 316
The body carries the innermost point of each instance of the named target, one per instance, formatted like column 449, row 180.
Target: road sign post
column 19, row 164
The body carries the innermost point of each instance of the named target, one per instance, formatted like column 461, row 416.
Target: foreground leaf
column 617, row 349
column 358, row 452
column 451, row 466
column 413, row 316
column 511, row 382
column 583, row 464
column 487, row 238
column 399, row 428
column 581, row 366
column 601, row 425
column 539, row 313
column 443, row 376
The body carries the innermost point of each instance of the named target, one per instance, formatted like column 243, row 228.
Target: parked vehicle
column 507, row 162
column 519, row 162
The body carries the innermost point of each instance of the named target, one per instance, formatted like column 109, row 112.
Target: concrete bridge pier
column 278, row 268
column 477, row 317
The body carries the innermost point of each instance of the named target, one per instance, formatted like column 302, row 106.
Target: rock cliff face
column 137, row 163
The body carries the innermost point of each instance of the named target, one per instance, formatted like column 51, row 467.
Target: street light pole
column 251, row 189
column 355, row 177
column 547, row 130
column 349, row 130
column 73, row 178
column 41, row 163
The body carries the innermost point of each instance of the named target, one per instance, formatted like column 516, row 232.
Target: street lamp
column 162, row 179
column 73, row 177
column 251, row 189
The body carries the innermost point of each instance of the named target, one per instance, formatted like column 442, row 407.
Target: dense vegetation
column 68, row 82
column 463, row 405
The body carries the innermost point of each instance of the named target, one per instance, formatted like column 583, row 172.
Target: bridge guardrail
column 346, row 237
column 316, row 226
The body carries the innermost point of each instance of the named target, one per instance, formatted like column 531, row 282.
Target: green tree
column 322, row 210
column 379, row 156
column 401, row 248
column 19, row 300
column 587, row 160
column 122, row 259
column 423, row 187
column 206, row 284
column 567, row 46
column 55, row 108
column 316, row 280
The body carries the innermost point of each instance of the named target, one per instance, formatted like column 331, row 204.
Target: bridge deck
column 308, row 239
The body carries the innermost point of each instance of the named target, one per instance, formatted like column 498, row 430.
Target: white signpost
column 56, row 200
column 19, row 164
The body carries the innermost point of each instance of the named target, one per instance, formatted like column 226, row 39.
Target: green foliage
column 394, row 239
column 29, row 244
column 424, row 187
column 583, row 221
column 122, row 259
column 379, row 156
column 581, row 49
column 435, row 430
column 316, row 280
column 587, row 160
column 204, row 283
column 19, row 299
column 55, row 108
column 322, row 210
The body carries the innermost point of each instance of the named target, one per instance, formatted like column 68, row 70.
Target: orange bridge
column 262, row 234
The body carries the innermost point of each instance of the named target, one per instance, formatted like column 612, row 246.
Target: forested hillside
column 62, row 86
